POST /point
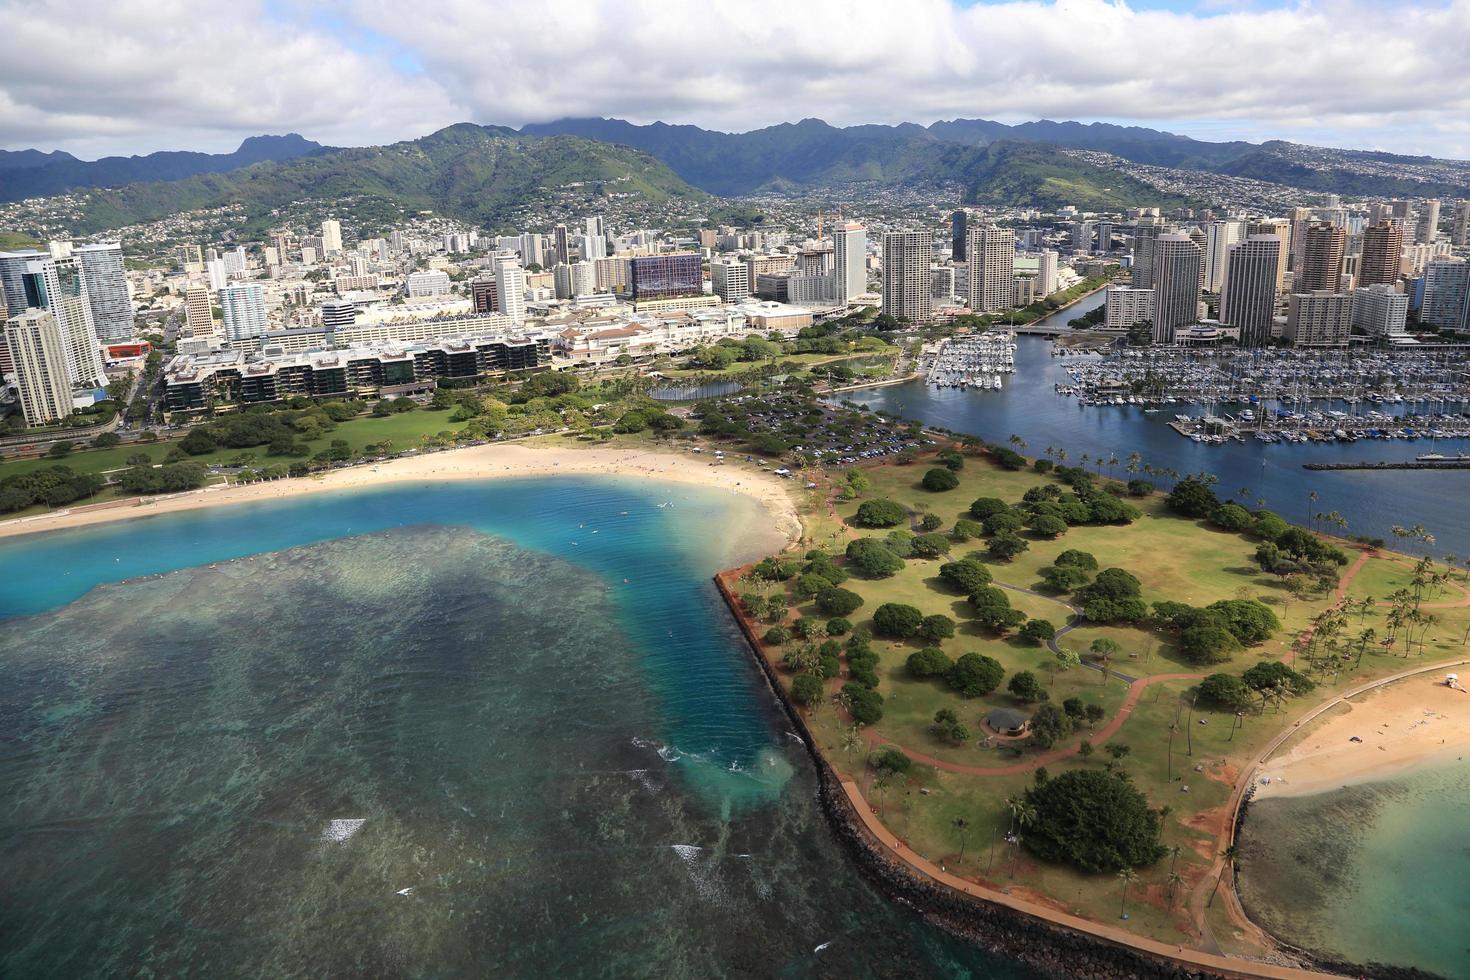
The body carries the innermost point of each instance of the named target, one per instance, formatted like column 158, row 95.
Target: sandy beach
column 474, row 463
column 1415, row 722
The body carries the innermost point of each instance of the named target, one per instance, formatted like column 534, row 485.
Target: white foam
column 342, row 831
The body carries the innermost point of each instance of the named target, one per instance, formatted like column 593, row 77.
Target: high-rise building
column 532, row 249
column 665, row 276
column 1380, row 311
column 1282, row 230
column 1319, row 319
column 593, row 247
column 730, row 280
column 1145, row 242
column 1383, row 249
column 992, row 259
column 1220, row 237
column 485, row 294
column 243, row 306
column 218, row 276
column 1046, row 273
column 1081, row 234
column 958, row 234
column 1177, row 260
column 1446, row 294
column 1128, row 307
column 510, row 285
column 906, row 279
column 1460, row 229
column 1322, row 250
column 38, row 357
column 106, row 280
column 427, row 282
column 1104, row 236
column 850, row 261
column 198, row 311
column 561, row 243
column 1301, row 220
column 1248, row 293
column 13, row 268
column 58, row 286
column 331, row 236
column 1428, row 221
column 338, row 313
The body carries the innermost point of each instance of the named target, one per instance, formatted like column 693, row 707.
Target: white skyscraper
column 1046, row 273
column 1176, row 276
column 1460, row 228
column 730, row 280
column 38, row 355
column 60, row 286
column 1219, row 237
column 243, row 305
column 1380, row 311
column 331, row 236
column 1248, row 288
column 106, row 280
column 532, row 248
column 849, row 261
column 1319, row 319
column 1428, row 221
column 1127, row 307
column 510, row 287
column 906, row 279
column 219, row 277
column 991, row 252
column 1446, row 293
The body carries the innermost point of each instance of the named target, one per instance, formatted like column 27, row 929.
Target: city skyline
column 272, row 67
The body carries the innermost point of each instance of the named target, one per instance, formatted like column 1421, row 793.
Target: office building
column 1145, row 242
column 532, row 249
column 1428, row 222
column 198, row 311
column 510, row 286
column 1446, row 294
column 730, row 280
column 1176, row 275
column 1220, row 237
column 1128, row 307
column 1380, row 311
column 214, row 270
column 850, row 261
column 562, row 243
column 338, row 314
column 427, row 282
column 942, row 283
column 665, row 276
column 38, row 359
column 1319, row 319
column 1282, row 230
column 106, row 281
column 13, row 268
column 331, row 236
column 1301, row 220
column 958, row 234
column 1322, row 251
column 992, row 260
column 485, row 295
column 1248, row 292
column 243, row 306
column 906, row 279
column 59, row 286
column 1383, row 250
column 1460, row 228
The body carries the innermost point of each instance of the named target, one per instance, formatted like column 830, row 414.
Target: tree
column 1225, row 691
column 879, row 513
column 897, row 620
column 1047, row 526
column 1004, row 547
column 807, row 689
column 940, row 479
column 975, row 675
column 1192, row 497
column 929, row 545
column 838, row 602
column 864, row 703
column 1248, row 621
column 993, row 610
column 892, row 760
column 60, row 449
column 931, row 522
column 987, row 507
column 1024, row 687
column 1207, row 644
column 106, row 440
column 935, row 628
column 1094, row 821
column 1128, row 876
column 776, row 635
column 872, row 559
column 966, row 575
column 1077, row 559
column 929, row 662
column 1049, row 725
column 1037, row 631
column 948, row 726
column 1063, row 578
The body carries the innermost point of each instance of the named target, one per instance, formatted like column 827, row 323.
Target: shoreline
column 495, row 461
column 1410, row 724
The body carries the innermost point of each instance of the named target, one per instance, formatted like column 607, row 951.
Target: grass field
column 1182, row 756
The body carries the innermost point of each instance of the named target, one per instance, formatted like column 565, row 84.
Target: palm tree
column 851, row 739
column 962, row 825
column 1175, row 879
column 881, row 784
column 1127, row 876
column 1230, row 853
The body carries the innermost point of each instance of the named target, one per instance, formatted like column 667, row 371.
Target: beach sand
column 1415, row 722
column 477, row 463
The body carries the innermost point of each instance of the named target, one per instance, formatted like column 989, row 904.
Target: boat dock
column 970, row 361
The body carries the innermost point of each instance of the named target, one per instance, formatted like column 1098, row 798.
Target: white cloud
column 150, row 75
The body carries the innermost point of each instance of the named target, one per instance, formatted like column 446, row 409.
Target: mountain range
column 31, row 173
column 482, row 173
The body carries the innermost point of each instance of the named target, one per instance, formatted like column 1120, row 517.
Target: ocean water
column 1372, row 873
column 479, row 729
column 1028, row 406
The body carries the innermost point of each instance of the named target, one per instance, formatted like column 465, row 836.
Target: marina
column 970, row 361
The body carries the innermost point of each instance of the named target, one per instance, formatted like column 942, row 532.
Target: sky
column 98, row 77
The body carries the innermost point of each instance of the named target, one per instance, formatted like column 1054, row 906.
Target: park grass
column 405, row 430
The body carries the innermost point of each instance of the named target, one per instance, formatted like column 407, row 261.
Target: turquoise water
column 477, row 729
column 1373, row 873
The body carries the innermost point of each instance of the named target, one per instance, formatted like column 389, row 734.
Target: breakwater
column 1413, row 464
